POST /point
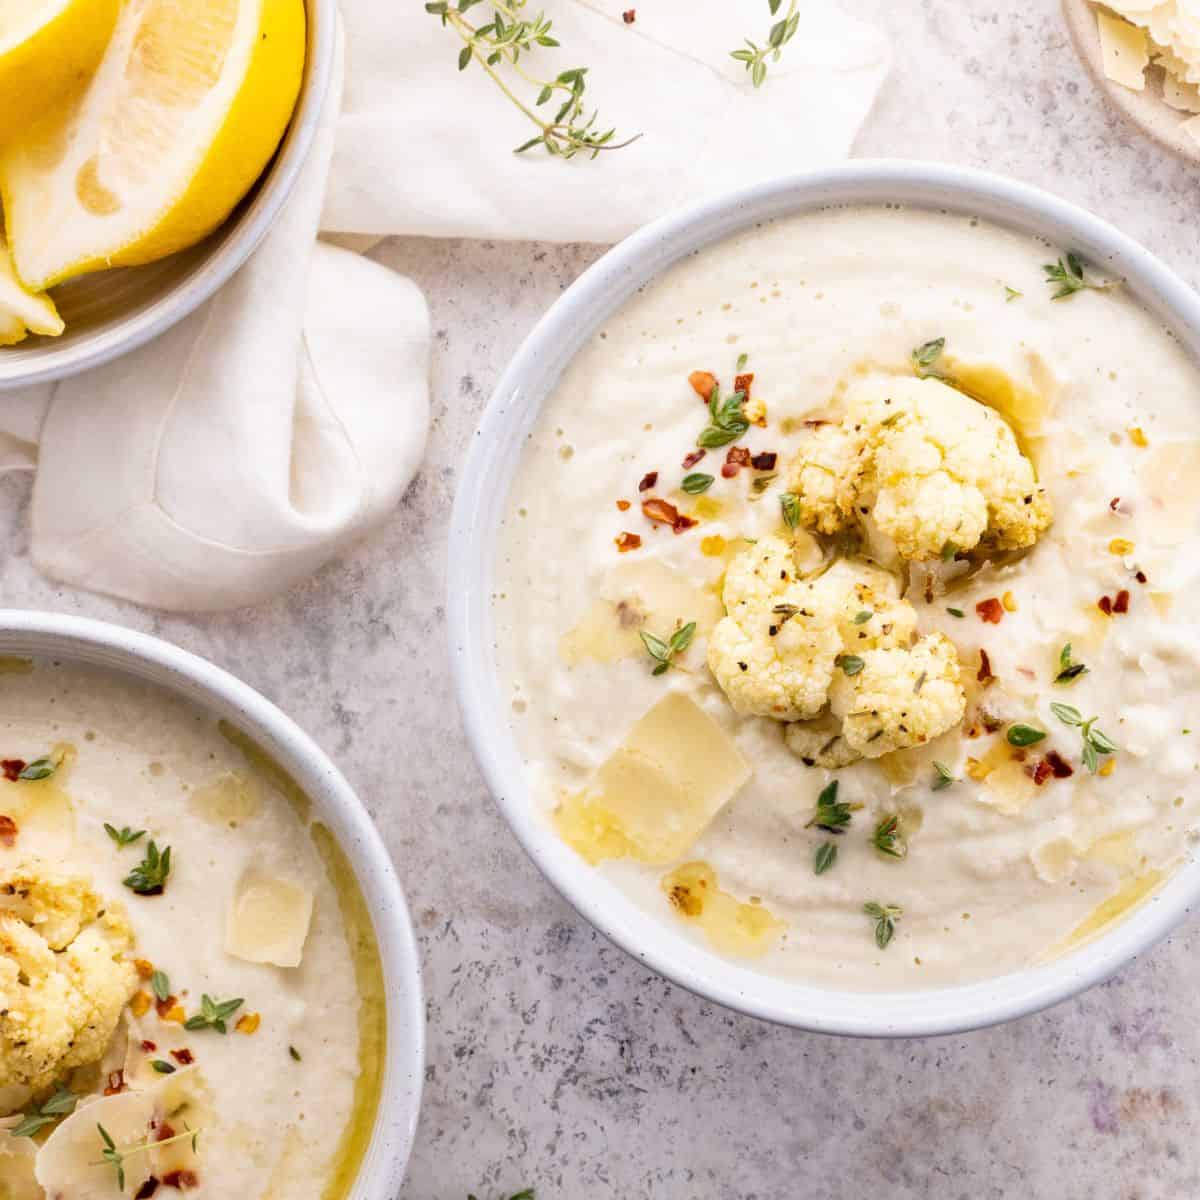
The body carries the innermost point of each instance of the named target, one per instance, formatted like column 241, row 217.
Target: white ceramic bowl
column 110, row 313
column 46, row 635
column 482, row 500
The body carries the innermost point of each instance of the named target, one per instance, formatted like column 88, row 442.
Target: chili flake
column 664, row 513
column 182, row 1180
column 648, row 481
column 742, row 383
column 627, row 541
column 990, row 610
column 692, row 459
column 736, row 458
column 1039, row 771
column 1105, row 605
column 12, row 768
column 623, row 505
column 1059, row 765
column 147, row 1189
column 184, row 1056
column 1121, row 603
column 703, row 383
column 984, row 674
column 765, row 461
column 8, row 831
column 629, row 16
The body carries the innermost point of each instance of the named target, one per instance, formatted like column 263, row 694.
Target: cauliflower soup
column 845, row 600
column 192, row 996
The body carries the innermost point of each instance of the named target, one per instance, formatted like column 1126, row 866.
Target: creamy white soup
column 895, row 685
column 192, row 998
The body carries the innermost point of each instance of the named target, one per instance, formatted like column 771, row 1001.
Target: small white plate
column 1147, row 110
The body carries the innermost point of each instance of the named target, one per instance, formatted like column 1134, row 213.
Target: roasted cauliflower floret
column 900, row 697
column 930, row 466
column 63, row 980
column 773, row 653
column 838, row 654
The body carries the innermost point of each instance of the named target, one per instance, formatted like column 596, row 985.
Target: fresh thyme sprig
column 149, row 877
column 831, row 815
column 727, row 420
column 885, row 917
column 116, row 1156
column 943, row 777
column 889, row 839
column 123, row 836
column 213, row 1013
column 59, row 1105
column 754, row 57
column 498, row 46
column 1095, row 743
column 1068, row 668
column 1068, row 275
column 664, row 653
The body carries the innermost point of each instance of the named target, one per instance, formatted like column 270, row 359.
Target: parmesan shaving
column 1125, row 51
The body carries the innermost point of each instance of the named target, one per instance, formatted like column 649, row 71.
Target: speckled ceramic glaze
column 481, row 503
column 97, row 643
column 112, row 312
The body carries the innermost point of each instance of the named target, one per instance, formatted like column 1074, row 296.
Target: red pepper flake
column 990, row 610
column 184, row 1056
column 1140, row 577
column 147, row 1189
column 149, row 1047
column 182, row 1180
column 765, row 461
column 1105, row 605
column 1059, row 765
column 648, row 481
column 660, row 510
column 741, row 383
column 1121, row 603
column 692, row 459
column 8, row 830
column 623, row 505
column 629, row 16
column 1114, row 503
column 737, row 458
column 165, row 1130
column 115, row 1083
column 703, row 383
column 162, row 1007
column 627, row 541
column 985, row 667
column 12, row 768
column 684, row 523
column 1039, row 771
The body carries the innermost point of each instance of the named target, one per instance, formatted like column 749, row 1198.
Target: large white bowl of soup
column 209, row 981
column 822, row 598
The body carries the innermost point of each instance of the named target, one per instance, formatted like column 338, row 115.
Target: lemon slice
column 23, row 312
column 47, row 49
column 185, row 109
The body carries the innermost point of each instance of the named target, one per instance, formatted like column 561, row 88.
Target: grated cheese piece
column 1125, row 51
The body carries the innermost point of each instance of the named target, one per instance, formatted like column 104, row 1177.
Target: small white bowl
column 110, row 313
column 97, row 643
column 482, row 501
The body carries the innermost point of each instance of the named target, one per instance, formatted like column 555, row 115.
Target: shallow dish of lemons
column 130, row 132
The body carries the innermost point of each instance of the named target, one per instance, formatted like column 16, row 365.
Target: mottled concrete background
column 553, row 1060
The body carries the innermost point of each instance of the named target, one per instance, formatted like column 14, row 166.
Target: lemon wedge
column 185, row 109
column 48, row 48
column 23, row 312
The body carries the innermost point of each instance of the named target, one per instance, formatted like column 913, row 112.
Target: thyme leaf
column 889, row 839
column 663, row 652
column 62, row 1102
column 696, row 483
column 1024, row 735
column 213, row 1013
column 1068, row 668
column 924, row 357
column 149, row 877
column 885, row 917
column 40, row 768
column 123, row 836
column 830, row 814
column 825, row 857
column 943, row 777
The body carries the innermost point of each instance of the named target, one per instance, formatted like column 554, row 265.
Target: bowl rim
column 126, row 651
column 242, row 230
column 479, row 506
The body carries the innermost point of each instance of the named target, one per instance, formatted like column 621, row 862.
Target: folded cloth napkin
column 249, row 445
column 426, row 149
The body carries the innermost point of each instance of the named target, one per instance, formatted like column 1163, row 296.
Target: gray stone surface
column 555, row 1061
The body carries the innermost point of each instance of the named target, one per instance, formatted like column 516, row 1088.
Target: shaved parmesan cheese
column 268, row 920
column 1125, row 51
column 659, row 790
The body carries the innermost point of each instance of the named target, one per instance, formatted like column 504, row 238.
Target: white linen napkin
column 249, row 445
